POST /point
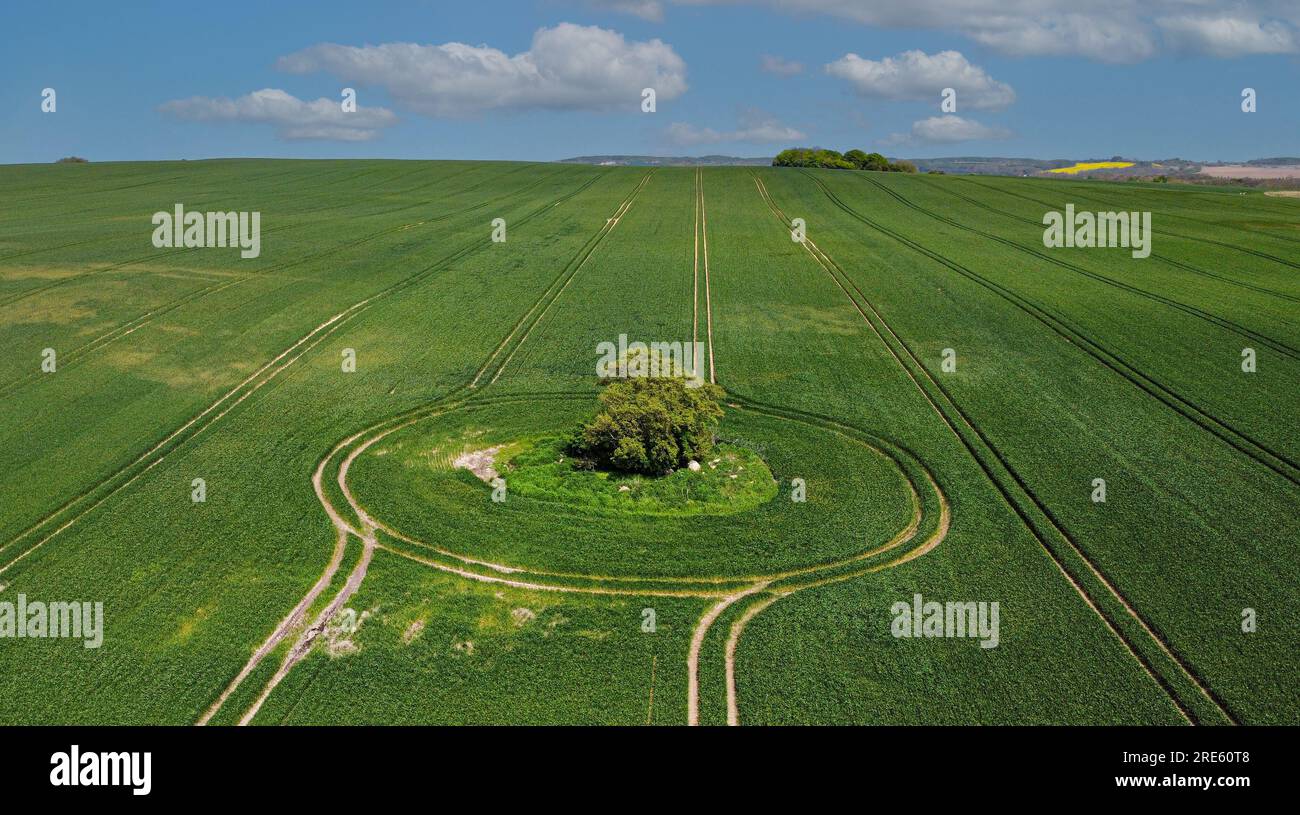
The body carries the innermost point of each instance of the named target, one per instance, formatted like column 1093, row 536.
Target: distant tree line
column 72, row 160
column 834, row 160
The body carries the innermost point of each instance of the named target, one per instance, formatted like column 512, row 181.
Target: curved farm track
column 931, row 513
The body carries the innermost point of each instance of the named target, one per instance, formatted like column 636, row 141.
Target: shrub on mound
column 650, row 425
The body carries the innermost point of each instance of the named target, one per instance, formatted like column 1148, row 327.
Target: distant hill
column 985, row 165
column 989, row 165
column 670, row 161
column 1276, row 172
column 957, row 165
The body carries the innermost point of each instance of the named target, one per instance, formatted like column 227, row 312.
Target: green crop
column 922, row 395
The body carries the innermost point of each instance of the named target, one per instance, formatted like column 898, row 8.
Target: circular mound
column 856, row 498
column 733, row 479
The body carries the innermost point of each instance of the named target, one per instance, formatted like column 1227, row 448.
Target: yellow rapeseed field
column 1084, row 167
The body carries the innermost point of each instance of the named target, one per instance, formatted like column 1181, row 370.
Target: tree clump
column 812, row 157
column 650, row 425
column 834, row 160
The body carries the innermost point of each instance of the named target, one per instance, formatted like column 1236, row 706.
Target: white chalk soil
column 479, row 462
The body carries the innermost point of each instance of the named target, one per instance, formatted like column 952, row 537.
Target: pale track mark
column 737, row 628
column 334, row 322
column 343, row 529
column 501, row 346
column 124, row 330
column 650, row 707
column 733, row 708
column 697, row 642
column 537, row 586
column 287, row 625
column 728, row 596
column 695, row 277
column 708, row 298
column 610, row 225
column 738, row 581
column 303, row 645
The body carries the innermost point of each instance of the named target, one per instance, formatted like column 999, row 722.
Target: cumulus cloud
column 568, row 67
column 916, row 75
column 1105, row 30
column 1226, row 36
column 755, row 127
column 948, row 130
column 293, row 118
column 780, row 66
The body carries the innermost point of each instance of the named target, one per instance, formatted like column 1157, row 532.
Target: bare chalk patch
column 479, row 462
column 412, row 631
column 523, row 616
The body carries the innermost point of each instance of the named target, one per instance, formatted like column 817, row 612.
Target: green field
column 343, row 570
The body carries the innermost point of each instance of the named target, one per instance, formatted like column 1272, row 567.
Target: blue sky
column 548, row 79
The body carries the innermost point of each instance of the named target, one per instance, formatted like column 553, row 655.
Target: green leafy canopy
column 650, row 425
column 833, row 160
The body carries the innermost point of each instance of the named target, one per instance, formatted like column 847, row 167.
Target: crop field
column 259, row 465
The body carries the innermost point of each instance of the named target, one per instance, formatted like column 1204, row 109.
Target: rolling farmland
column 946, row 388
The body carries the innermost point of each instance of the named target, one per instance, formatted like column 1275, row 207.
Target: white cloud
column 755, row 127
column 292, row 117
column 1106, row 30
column 1109, row 30
column 1121, row 38
column 916, row 75
column 1226, row 36
column 568, row 67
column 651, row 10
column 780, row 66
column 948, row 130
